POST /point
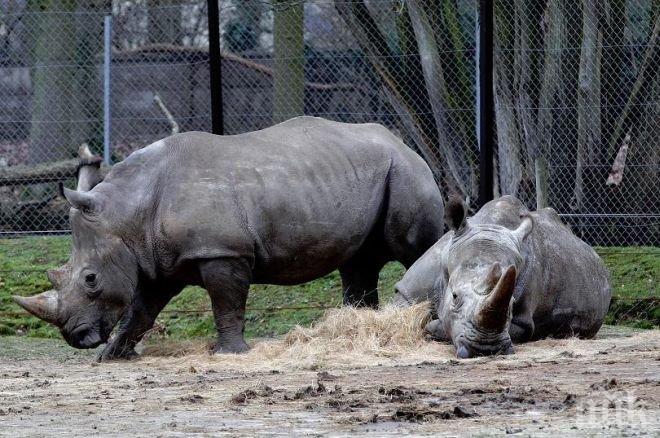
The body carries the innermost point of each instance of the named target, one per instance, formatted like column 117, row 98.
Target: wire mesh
column 577, row 113
column 576, row 89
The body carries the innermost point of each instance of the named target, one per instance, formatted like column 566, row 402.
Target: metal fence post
column 215, row 67
column 486, row 101
column 107, row 60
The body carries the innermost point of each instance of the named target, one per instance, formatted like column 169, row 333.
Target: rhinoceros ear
column 455, row 214
column 89, row 169
column 83, row 201
column 524, row 228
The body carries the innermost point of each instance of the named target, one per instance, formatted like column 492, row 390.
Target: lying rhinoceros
column 507, row 274
column 284, row 205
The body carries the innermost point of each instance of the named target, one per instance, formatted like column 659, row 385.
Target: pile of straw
column 342, row 337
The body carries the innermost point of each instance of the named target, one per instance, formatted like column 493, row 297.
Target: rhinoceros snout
column 466, row 351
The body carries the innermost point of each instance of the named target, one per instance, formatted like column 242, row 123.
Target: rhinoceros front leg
column 227, row 282
column 139, row 319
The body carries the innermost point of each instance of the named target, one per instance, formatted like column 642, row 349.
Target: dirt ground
column 610, row 385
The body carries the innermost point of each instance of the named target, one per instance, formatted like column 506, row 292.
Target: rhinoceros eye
column 90, row 279
column 457, row 302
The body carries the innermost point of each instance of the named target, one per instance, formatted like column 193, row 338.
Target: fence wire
column 576, row 89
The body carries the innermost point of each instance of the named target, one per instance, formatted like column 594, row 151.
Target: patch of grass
column 635, row 271
column 635, row 274
column 286, row 306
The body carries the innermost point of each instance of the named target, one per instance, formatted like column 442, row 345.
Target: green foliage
column 273, row 310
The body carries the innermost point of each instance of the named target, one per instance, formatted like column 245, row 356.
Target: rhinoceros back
column 297, row 199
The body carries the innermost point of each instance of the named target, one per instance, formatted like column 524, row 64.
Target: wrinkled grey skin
column 508, row 275
column 284, row 205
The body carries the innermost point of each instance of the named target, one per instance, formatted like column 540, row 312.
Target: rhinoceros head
column 92, row 290
column 481, row 266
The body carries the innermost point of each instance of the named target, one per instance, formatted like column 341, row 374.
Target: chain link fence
column 576, row 93
column 577, row 111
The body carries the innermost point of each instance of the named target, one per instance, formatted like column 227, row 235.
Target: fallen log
column 40, row 173
column 53, row 171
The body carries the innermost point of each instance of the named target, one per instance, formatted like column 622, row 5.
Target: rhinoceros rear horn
column 494, row 275
column 43, row 306
column 58, row 276
column 492, row 314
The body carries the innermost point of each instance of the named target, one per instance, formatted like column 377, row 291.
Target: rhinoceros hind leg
column 359, row 277
column 227, row 282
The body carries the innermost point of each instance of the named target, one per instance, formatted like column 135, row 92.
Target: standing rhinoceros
column 508, row 274
column 284, row 205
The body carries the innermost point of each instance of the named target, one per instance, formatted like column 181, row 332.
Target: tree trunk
column 52, row 79
column 552, row 94
column 589, row 126
column 451, row 138
column 527, row 61
column 289, row 73
column 87, row 104
column 508, row 138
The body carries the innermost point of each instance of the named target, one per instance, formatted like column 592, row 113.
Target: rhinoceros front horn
column 492, row 314
column 43, row 306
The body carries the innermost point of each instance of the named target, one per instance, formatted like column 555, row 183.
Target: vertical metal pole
column 215, row 67
column 486, row 101
column 107, row 60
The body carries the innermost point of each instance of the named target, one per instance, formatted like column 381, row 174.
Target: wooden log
column 53, row 171
column 40, row 173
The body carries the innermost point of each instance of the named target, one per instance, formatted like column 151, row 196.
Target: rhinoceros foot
column 236, row 347
column 112, row 352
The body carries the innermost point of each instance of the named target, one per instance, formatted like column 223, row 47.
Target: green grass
column 635, row 271
column 635, row 275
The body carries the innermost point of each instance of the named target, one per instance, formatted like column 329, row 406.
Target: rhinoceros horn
column 43, row 306
column 492, row 315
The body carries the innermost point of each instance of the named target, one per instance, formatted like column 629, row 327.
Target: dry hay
column 342, row 337
column 355, row 338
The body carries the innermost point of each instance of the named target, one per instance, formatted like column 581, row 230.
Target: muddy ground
column 606, row 386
